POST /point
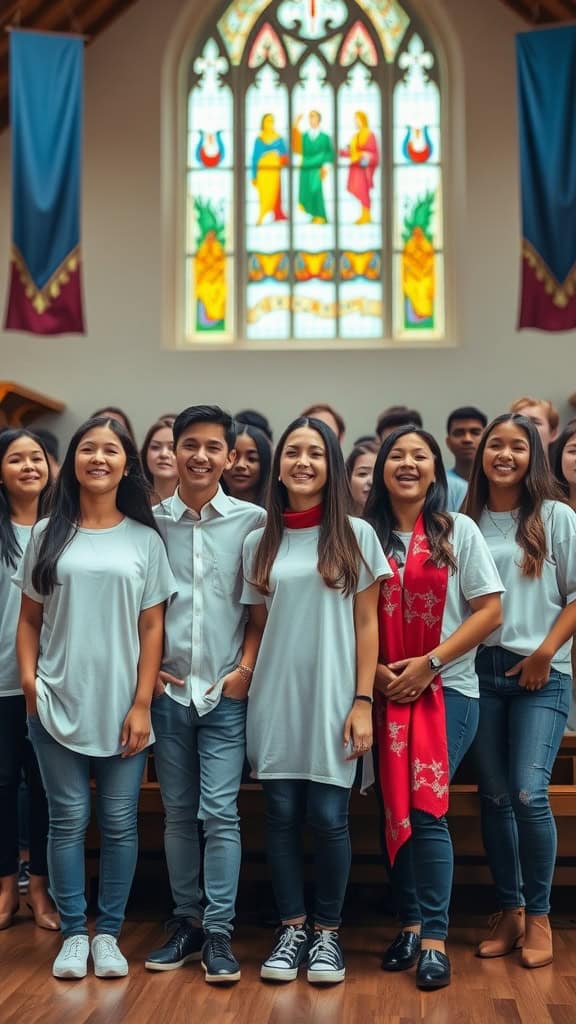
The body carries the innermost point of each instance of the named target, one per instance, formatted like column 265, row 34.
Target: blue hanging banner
column 46, row 85
column 546, row 64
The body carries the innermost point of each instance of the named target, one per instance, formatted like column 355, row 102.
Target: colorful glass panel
column 312, row 19
column 360, row 205
column 210, row 203
column 418, row 219
column 340, row 233
column 358, row 45
column 267, row 47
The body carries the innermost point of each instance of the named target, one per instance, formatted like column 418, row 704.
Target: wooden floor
column 482, row 992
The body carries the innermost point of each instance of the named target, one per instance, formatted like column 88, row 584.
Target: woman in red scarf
column 441, row 602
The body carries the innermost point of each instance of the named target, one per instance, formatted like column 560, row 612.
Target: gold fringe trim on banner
column 42, row 298
column 561, row 293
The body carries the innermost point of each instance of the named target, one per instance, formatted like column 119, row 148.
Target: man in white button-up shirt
column 199, row 714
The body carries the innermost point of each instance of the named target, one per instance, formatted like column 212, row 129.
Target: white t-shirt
column 476, row 576
column 532, row 605
column 9, row 612
column 305, row 675
column 89, row 645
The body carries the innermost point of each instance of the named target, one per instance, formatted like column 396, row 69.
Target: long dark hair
column 438, row 523
column 559, row 446
column 264, row 449
column 339, row 555
column 131, row 499
column 538, row 486
column 10, row 550
column 115, row 410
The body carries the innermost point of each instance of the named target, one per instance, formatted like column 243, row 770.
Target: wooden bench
column 464, row 816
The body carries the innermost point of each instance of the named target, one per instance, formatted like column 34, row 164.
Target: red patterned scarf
column 412, row 747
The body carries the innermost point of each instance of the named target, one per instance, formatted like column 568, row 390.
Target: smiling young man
column 199, row 715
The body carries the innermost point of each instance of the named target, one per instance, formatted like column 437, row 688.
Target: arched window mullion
column 376, row 242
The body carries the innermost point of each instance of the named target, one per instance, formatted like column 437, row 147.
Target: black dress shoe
column 184, row 944
column 433, row 969
column 403, row 953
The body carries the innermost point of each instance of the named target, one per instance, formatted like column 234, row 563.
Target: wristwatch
column 435, row 663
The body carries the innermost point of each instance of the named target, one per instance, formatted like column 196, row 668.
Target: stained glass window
column 314, row 176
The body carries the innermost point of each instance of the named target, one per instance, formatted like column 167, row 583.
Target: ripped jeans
column 514, row 751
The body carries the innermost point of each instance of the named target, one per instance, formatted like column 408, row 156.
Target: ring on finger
column 413, row 693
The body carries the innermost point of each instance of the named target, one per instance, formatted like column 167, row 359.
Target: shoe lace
column 73, row 947
column 107, row 946
column 219, row 945
column 288, row 942
column 325, row 947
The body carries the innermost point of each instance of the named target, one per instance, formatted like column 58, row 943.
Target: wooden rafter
column 86, row 16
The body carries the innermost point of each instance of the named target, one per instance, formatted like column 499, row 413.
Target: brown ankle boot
column 537, row 951
column 506, row 933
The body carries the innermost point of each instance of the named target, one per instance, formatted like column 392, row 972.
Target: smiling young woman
column 524, row 670
column 312, row 586
column 441, row 602
column 94, row 581
column 24, row 483
column 158, row 459
column 248, row 478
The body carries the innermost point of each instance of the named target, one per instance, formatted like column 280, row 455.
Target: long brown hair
column 438, row 524
column 339, row 555
column 538, row 486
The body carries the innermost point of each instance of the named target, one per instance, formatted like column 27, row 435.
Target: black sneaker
column 184, row 944
column 23, row 875
column 325, row 960
column 290, row 950
column 219, row 963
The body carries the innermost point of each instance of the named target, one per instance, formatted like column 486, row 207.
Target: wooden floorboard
column 482, row 992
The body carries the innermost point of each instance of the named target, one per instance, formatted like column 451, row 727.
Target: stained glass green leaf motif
column 330, row 48
column 210, row 265
column 419, row 216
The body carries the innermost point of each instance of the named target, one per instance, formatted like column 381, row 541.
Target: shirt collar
column 220, row 503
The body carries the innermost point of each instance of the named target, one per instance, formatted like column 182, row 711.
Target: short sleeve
column 160, row 584
column 563, row 530
column 23, row 575
column 457, row 491
column 250, row 595
column 477, row 572
column 374, row 564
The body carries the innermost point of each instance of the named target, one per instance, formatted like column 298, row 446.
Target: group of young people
column 151, row 598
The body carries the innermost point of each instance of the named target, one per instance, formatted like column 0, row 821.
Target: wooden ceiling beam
column 88, row 16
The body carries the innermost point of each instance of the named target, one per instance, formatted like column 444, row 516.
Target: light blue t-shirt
column 9, row 612
column 87, row 668
column 457, row 490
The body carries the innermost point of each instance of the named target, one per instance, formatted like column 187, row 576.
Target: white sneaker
column 72, row 960
column 108, row 960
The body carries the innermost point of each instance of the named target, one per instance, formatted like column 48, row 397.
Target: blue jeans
column 424, row 867
column 199, row 762
column 324, row 808
column 518, row 739
column 66, row 777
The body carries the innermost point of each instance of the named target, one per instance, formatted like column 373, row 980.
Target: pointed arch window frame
column 174, row 163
